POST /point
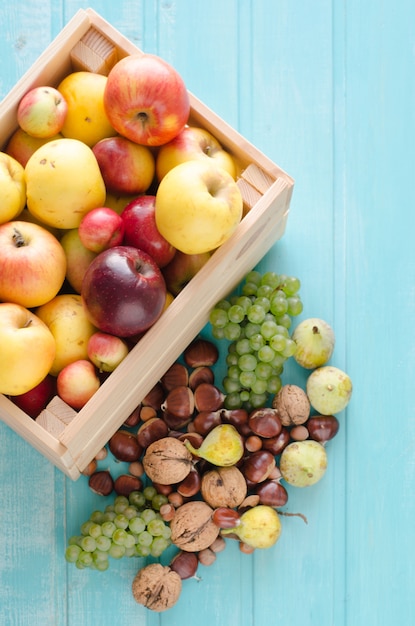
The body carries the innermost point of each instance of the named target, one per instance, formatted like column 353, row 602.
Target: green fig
column 259, row 527
column 329, row 390
column 222, row 446
column 303, row 463
column 315, row 340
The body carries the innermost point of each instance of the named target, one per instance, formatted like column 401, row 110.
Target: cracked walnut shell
column 292, row 404
column 157, row 587
column 192, row 527
column 167, row 461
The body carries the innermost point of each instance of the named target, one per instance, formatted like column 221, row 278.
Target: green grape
column 232, row 400
column 129, row 540
column 252, row 329
column 295, row 306
column 158, row 500
column 247, row 362
column 268, row 329
column 291, row 285
column 137, row 499
column 223, row 304
column 147, row 515
column 245, row 302
column 75, row 540
column 88, row 544
column 231, row 359
column 100, row 556
column 264, row 291
column 249, row 289
column 254, row 276
column 247, row 379
column 145, row 538
column 257, row 400
column 97, row 517
column 85, row 527
column 230, row 385
column 263, row 370
column 236, row 314
column 108, row 516
column 103, row 543
column 142, row 551
column 72, row 553
column 137, row 525
column 156, row 527
column 95, row 530
column 256, row 342
column 263, row 302
column 85, row 559
column 259, row 386
column 108, row 529
column 158, row 546
column 130, row 511
column 266, row 354
column 116, row 551
column 121, row 521
column 232, row 331
column 234, row 371
column 218, row 333
column 278, row 305
column 242, row 347
column 271, row 279
column 130, row 551
column 278, row 342
column 274, row 384
column 119, row 537
column 284, row 320
column 149, row 492
column 120, row 504
column 278, row 361
column 244, row 395
column 218, row 318
column 290, row 348
column 256, row 314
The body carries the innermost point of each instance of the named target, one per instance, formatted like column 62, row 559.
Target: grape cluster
column 257, row 324
column 131, row 526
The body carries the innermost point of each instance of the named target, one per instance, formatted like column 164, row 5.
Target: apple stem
column 18, row 239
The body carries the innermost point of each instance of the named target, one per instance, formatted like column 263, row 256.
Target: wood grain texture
column 326, row 90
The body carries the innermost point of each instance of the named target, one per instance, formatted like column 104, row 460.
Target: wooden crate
column 70, row 439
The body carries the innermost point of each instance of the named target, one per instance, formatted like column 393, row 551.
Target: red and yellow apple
column 146, row 99
column 12, row 186
column 77, row 382
column 27, row 349
column 78, row 258
column 100, row 229
column 32, row 264
column 86, row 118
column 64, row 182
column 140, row 230
column 193, row 143
column 123, row 291
column 181, row 269
column 106, row 351
column 198, row 206
column 33, row 402
column 66, row 319
column 42, row 111
column 21, row 146
column 126, row 167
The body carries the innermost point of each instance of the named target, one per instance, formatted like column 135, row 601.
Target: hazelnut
column 201, row 352
column 167, row 461
column 192, row 527
column 157, row 587
column 292, row 404
column 223, row 487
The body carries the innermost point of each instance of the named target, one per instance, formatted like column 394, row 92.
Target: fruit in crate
column 146, row 99
column 198, row 206
column 315, row 340
column 32, row 264
column 66, row 318
column 329, row 389
column 21, row 146
column 27, row 349
column 42, row 112
column 35, row 400
column 78, row 258
column 64, row 182
column 77, row 382
column 86, row 119
column 190, row 144
column 123, row 291
column 140, row 230
column 13, row 187
column 126, row 167
column 106, row 351
column 100, row 229
column 182, row 268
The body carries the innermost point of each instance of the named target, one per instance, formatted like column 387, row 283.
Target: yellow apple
column 65, row 317
column 78, row 258
column 12, row 188
column 193, row 143
column 64, row 182
column 27, row 349
column 32, row 264
column 21, row 145
column 198, row 206
column 86, row 119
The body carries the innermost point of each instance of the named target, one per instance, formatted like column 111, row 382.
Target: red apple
column 21, row 145
column 42, row 112
column 146, row 99
column 140, row 230
column 35, row 400
column 100, row 229
column 182, row 268
column 123, row 291
column 32, row 264
column 126, row 167
column 106, row 351
column 77, row 382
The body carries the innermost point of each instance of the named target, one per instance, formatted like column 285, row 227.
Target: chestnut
column 322, row 428
column 126, row 483
column 124, row 446
column 202, row 374
column 208, row 397
column 179, row 402
column 201, row 352
column 272, row 493
column 151, row 430
column 101, row 483
column 185, row 564
column 176, row 376
column 265, row 422
column 258, row 465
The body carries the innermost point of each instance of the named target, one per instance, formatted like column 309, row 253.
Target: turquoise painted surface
column 325, row 89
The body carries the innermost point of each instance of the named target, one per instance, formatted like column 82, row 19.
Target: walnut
column 223, row 486
column 292, row 404
column 157, row 587
column 192, row 528
column 167, row 461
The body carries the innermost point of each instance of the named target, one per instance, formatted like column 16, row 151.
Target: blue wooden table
column 326, row 89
